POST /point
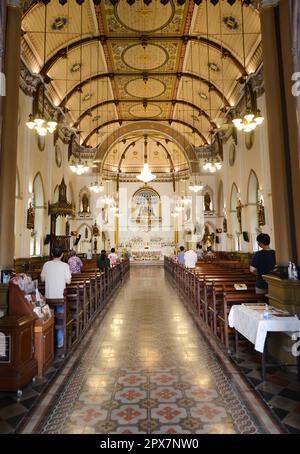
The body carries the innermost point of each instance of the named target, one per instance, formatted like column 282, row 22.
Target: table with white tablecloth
column 251, row 324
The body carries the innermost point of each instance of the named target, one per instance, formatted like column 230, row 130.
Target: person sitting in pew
column 180, row 256
column 263, row 262
column 190, row 259
column 113, row 257
column 103, row 261
column 75, row 263
column 56, row 275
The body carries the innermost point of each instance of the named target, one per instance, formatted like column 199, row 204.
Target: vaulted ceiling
column 169, row 64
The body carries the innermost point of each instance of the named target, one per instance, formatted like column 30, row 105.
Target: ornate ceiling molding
column 170, row 101
column 121, row 121
column 145, row 76
column 29, row 81
column 148, row 127
column 62, row 53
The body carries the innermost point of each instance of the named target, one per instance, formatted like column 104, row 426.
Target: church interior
column 149, row 168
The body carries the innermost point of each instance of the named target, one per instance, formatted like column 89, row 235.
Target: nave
column 145, row 368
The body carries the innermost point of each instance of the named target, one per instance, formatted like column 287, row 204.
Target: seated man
column 56, row 275
column 190, row 259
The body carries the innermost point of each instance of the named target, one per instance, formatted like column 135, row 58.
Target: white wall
column 256, row 159
column 30, row 161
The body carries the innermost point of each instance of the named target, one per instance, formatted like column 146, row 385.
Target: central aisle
column 147, row 369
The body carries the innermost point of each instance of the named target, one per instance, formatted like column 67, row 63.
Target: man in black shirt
column 263, row 262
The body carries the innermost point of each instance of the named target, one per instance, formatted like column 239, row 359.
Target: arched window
column 39, row 210
column 235, row 227
column 146, row 208
column 253, row 199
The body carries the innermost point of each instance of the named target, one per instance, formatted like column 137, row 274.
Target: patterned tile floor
column 147, row 369
column 281, row 389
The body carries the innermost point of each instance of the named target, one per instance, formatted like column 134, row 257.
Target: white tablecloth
column 251, row 325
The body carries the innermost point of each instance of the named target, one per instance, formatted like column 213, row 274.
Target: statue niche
column 84, row 203
column 207, row 202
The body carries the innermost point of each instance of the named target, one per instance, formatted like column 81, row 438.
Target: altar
column 146, row 255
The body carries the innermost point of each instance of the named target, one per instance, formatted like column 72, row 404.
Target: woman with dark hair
column 103, row 262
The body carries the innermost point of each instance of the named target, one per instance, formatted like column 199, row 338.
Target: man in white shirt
column 56, row 275
column 113, row 257
column 190, row 259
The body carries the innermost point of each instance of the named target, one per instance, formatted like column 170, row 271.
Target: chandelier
column 38, row 122
column 212, row 165
column 249, row 122
column 41, row 125
column 146, row 175
column 195, row 187
column 79, row 167
column 252, row 117
column 96, row 187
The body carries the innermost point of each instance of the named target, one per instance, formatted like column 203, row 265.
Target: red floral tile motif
column 130, row 395
column 132, row 379
column 128, row 414
column 202, row 395
column 164, row 379
column 169, row 413
column 209, row 413
column 166, row 394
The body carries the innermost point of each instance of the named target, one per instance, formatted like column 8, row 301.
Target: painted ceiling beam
column 211, row 86
column 120, row 121
column 118, row 101
column 62, row 53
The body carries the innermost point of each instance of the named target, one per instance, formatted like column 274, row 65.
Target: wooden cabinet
column 17, row 361
column 44, row 344
column 42, row 339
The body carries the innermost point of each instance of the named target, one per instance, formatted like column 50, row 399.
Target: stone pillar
column 8, row 157
column 282, row 130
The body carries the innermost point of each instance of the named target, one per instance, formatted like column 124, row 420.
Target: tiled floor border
column 253, row 401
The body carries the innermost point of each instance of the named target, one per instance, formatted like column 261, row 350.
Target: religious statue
column 239, row 213
column 95, row 230
column 85, row 204
column 225, row 225
column 30, row 217
column 261, row 213
column 207, row 201
column 95, row 245
column 67, row 228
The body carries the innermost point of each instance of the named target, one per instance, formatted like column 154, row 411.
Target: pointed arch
column 252, row 188
column 39, row 214
column 233, row 197
column 38, row 191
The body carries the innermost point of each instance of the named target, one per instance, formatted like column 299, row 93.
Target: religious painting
column 146, row 208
